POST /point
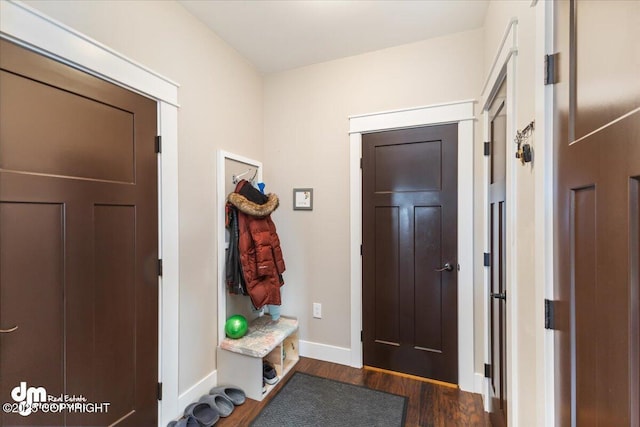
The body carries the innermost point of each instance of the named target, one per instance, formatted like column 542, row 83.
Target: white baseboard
column 328, row 353
column 482, row 388
column 194, row 392
column 478, row 383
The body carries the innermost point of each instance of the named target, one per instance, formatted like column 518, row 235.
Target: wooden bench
column 240, row 360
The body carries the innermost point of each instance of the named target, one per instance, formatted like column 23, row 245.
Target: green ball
column 236, row 326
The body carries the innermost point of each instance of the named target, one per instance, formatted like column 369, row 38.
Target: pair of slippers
column 189, row 421
column 220, row 402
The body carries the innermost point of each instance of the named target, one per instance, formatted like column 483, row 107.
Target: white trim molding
column 479, row 384
column 544, row 208
column 508, row 47
column 202, row 387
column 503, row 69
column 328, row 353
column 410, row 117
column 35, row 31
column 460, row 112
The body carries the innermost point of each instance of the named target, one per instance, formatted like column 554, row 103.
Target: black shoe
column 269, row 374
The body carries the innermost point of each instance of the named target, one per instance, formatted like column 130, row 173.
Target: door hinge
column 160, row 267
column 361, row 336
column 158, row 144
column 551, row 69
column 487, row 259
column 487, row 148
column 159, row 391
column 360, row 162
column 487, row 370
column 360, row 250
column 549, row 314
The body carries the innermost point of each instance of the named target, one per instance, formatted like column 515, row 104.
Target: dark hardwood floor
column 429, row 404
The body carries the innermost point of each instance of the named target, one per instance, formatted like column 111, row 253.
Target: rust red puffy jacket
column 259, row 246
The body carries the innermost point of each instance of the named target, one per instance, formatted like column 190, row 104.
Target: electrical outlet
column 317, row 310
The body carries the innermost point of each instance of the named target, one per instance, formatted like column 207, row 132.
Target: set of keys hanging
column 524, row 148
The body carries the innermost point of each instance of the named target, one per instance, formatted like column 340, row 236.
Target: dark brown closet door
column 78, row 242
column 598, row 167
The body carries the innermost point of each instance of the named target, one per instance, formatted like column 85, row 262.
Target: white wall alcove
column 224, row 178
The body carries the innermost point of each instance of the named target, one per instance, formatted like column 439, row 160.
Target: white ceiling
column 280, row 35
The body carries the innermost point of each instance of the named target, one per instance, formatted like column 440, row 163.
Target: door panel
column 607, row 66
column 583, row 221
column 409, row 231
column 400, row 168
column 387, row 272
column 596, row 146
column 115, row 369
column 99, row 134
column 499, row 139
column 428, row 308
column 74, row 144
column 35, row 305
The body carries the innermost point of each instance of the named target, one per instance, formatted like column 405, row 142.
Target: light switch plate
column 317, row 310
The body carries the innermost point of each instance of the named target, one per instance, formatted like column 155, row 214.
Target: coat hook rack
column 236, row 178
column 524, row 152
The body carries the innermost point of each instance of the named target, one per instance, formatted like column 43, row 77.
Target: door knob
column 447, row 267
column 502, row 295
column 6, row 331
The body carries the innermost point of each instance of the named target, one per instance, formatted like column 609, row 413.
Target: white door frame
column 460, row 112
column 544, row 208
column 503, row 67
column 35, row 31
column 543, row 216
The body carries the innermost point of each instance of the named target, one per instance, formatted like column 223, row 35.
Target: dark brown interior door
column 409, row 193
column 78, row 243
column 497, row 264
column 598, row 166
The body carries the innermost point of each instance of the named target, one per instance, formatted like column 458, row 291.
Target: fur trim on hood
column 250, row 208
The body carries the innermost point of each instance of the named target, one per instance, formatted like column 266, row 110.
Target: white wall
column 306, row 144
column 526, row 304
column 220, row 108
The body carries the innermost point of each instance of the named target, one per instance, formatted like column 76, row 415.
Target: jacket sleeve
column 276, row 249
column 233, row 268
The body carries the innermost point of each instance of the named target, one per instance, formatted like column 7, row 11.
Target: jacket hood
column 250, row 192
column 250, row 208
